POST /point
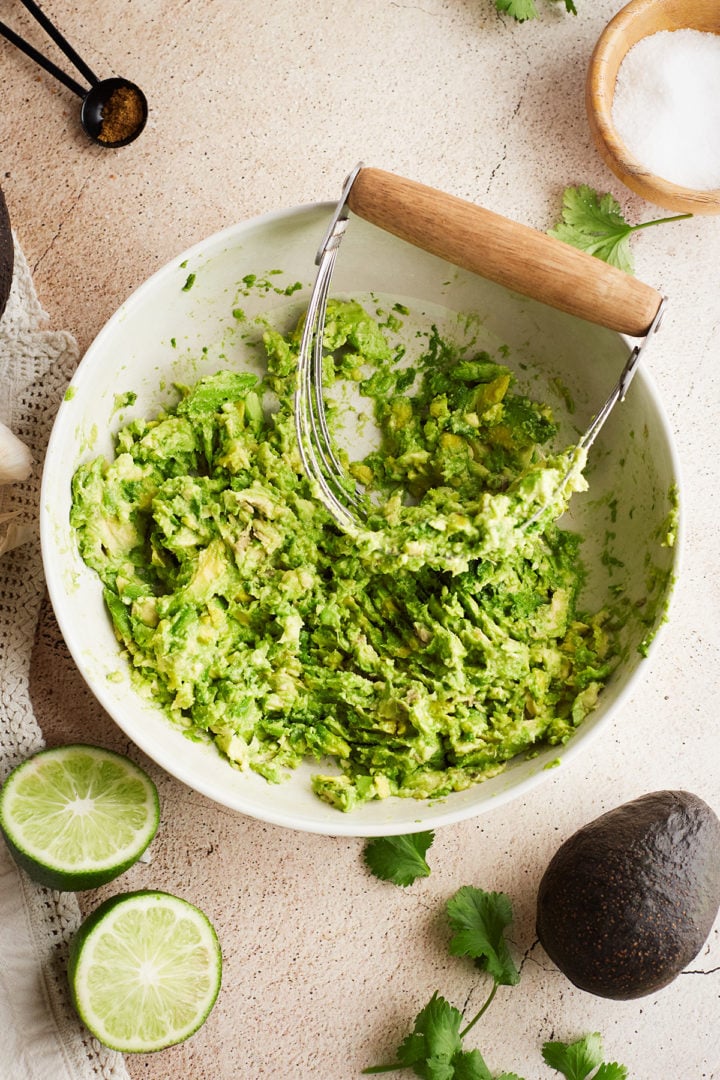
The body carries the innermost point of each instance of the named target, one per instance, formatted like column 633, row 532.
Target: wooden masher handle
column 514, row 255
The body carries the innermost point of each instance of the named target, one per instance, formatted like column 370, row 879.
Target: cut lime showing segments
column 145, row 970
column 75, row 817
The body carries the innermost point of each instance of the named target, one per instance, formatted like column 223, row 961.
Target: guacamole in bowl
column 438, row 660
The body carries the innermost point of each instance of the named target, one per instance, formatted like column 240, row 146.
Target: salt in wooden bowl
column 636, row 21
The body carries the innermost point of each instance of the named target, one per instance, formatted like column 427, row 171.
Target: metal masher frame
column 451, row 228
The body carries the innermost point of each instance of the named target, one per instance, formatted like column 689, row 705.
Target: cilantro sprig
column 435, row 1050
column 595, row 223
column 400, row 859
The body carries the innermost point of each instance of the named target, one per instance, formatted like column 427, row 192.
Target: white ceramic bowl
column 165, row 334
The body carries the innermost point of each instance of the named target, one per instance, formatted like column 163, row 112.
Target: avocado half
column 7, row 254
column 629, row 900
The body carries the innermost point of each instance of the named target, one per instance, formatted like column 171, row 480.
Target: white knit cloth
column 41, row 1037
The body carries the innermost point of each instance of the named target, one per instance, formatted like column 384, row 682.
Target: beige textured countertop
column 256, row 107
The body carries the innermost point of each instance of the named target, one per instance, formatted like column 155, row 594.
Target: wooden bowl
column 635, row 21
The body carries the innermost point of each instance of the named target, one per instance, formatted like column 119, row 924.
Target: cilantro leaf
column 399, row 859
column 435, row 1069
column 479, row 919
column 469, row 1065
column 436, row 1033
column 594, row 223
column 577, row 1060
column 611, row 1071
column 521, row 10
column 574, row 1060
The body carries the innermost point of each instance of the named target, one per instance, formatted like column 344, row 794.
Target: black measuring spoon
column 113, row 111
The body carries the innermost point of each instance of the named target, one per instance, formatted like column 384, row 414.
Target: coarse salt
column 666, row 107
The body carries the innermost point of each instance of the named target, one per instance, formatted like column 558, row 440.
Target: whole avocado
column 629, row 900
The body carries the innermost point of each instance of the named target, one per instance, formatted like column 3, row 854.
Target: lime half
column 75, row 817
column 145, row 970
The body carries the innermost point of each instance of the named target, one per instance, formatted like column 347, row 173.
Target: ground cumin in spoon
column 122, row 115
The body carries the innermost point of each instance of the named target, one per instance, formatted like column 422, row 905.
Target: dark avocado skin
column 7, row 254
column 629, row 900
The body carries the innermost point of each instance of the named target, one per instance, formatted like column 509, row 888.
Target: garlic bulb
column 15, row 457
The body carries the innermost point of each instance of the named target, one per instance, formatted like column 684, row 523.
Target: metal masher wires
column 328, row 478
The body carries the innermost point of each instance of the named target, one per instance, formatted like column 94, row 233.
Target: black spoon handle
column 44, row 63
column 60, row 41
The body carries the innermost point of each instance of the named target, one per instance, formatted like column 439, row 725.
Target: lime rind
column 75, row 817
column 145, row 970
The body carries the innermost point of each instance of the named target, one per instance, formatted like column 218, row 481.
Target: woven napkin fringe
column 42, row 1037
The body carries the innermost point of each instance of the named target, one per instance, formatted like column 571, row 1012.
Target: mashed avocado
column 420, row 654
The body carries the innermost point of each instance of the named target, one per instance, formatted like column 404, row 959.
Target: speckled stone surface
column 257, row 107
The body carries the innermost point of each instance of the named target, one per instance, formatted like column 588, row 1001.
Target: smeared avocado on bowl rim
column 421, row 654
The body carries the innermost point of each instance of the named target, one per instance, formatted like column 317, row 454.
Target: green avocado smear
column 420, row 654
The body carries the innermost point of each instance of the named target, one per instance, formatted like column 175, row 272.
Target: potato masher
column 467, row 235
